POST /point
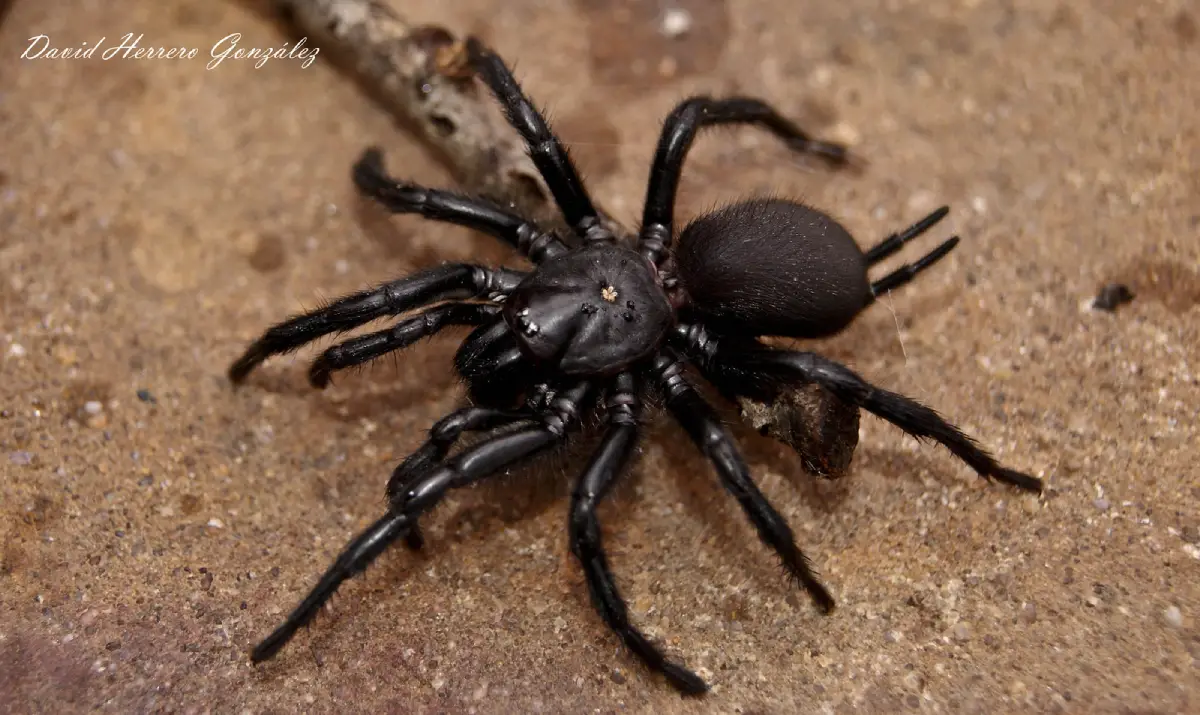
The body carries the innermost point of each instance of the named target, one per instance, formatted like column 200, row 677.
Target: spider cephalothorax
column 600, row 320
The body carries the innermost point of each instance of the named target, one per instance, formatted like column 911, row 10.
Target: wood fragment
column 419, row 73
column 822, row 429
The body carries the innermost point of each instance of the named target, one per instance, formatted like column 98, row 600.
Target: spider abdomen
column 772, row 267
column 592, row 311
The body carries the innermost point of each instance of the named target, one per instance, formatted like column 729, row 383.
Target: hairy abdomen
column 772, row 267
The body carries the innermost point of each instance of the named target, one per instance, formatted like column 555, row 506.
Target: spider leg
column 703, row 425
column 408, row 331
column 680, row 130
column 437, row 205
column 442, row 437
column 467, row 467
column 820, row 428
column 491, row 362
column 452, row 280
column 446, row 431
column 756, row 365
column 545, row 149
column 606, row 466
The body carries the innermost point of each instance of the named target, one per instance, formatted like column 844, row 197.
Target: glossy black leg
column 758, row 368
column 703, row 425
column 437, row 205
column 354, row 559
column 467, row 467
column 680, row 130
column 408, row 331
column 442, row 438
column 449, row 281
column 607, row 464
column 545, row 149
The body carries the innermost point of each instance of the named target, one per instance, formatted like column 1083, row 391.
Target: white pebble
column 92, row 407
column 676, row 22
column 216, row 523
column 1174, row 616
column 16, row 350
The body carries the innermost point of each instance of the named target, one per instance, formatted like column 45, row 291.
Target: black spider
column 598, row 321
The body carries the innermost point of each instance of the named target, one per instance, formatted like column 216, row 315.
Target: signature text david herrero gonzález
column 130, row 47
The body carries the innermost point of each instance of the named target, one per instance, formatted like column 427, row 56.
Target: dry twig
column 419, row 73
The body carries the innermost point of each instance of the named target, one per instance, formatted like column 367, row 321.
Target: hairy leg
column 437, row 205
column 703, row 425
column 368, row 347
column 545, row 149
column 680, row 130
column 757, row 365
column 468, row 467
column 606, row 466
column 449, row 281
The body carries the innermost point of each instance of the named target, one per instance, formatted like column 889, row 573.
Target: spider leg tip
column 319, row 377
column 238, row 371
column 371, row 160
column 1020, row 480
column 264, row 651
column 684, row 680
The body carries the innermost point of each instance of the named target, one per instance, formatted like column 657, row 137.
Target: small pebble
column 1173, row 616
column 845, row 133
column 146, row 396
column 961, row 632
column 216, row 523
column 1018, row 690
column 1101, row 504
column 676, row 22
column 16, row 350
column 93, row 407
column 20, row 457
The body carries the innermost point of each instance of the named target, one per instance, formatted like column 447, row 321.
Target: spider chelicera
column 602, row 319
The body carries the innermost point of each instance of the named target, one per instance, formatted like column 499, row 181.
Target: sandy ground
column 155, row 217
